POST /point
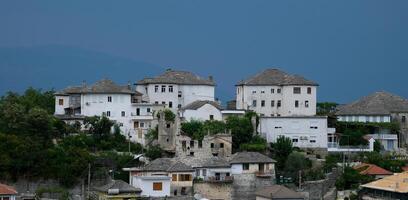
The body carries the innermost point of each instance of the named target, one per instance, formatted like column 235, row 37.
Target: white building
column 215, row 170
column 176, row 89
column 105, row 98
column 304, row 131
column 276, row 93
column 201, row 111
column 7, row 192
column 252, row 163
column 163, row 177
column 379, row 107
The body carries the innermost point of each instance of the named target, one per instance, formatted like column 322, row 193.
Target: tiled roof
column 101, row 87
column 379, row 103
column 250, row 157
column 278, row 192
column 198, row 104
column 122, row 186
column 396, row 183
column 371, row 169
column 7, row 190
column 167, row 164
column 276, row 77
column 216, row 162
column 177, row 77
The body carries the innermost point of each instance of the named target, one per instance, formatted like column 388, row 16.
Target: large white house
column 105, row 98
column 304, row 131
column 379, row 107
column 276, row 93
column 176, row 89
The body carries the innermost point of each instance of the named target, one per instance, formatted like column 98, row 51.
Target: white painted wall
column 364, row 118
column 236, row 169
column 146, row 185
column 189, row 94
column 59, row 109
column 299, row 128
column 246, row 94
column 202, row 114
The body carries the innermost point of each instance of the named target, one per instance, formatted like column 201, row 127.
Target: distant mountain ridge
column 57, row 66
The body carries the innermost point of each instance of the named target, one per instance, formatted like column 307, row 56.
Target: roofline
column 236, row 162
column 207, row 84
column 295, row 117
column 252, row 84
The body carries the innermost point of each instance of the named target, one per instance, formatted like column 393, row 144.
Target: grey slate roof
column 276, row 77
column 101, row 87
column 118, row 184
column 378, row 103
column 168, row 165
column 198, row 104
column 250, row 157
column 278, row 192
column 177, row 77
column 216, row 162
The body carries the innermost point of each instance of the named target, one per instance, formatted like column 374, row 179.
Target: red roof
column 5, row 189
column 371, row 169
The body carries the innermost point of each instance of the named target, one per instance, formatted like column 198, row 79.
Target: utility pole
column 89, row 179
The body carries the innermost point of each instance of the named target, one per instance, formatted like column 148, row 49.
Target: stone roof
column 371, row 169
column 177, row 77
column 250, row 157
column 7, row 190
column 168, row 165
column 278, row 192
column 379, row 103
column 200, row 103
column 276, row 77
column 216, row 162
column 120, row 185
column 101, row 87
column 395, row 183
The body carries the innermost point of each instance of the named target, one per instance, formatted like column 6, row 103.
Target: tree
column 168, row 115
column 154, row 152
column 326, row 108
column 241, row 130
column 257, row 143
column 281, row 149
column 99, row 127
column 193, row 129
column 296, row 162
column 377, row 146
column 351, row 179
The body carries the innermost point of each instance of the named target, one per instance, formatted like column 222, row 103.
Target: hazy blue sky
column 351, row 48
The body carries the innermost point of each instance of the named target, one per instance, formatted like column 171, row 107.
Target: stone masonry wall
column 214, row 190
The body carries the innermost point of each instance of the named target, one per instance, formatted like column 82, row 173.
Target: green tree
column 154, row 152
column 296, row 162
column 351, row 179
column 281, row 149
column 326, row 108
column 100, row 127
column 241, row 130
column 257, row 144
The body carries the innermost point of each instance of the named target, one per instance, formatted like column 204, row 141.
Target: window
column 272, row 103
column 312, row 141
column 108, row 113
column 184, row 177
column 163, row 88
column 245, row 166
column 197, row 172
column 221, row 145
column 157, row 186
column 295, row 140
column 200, row 144
column 148, row 110
column 307, row 104
column 253, row 103
column 5, row 198
column 183, row 144
column 272, row 90
column 174, row 177
column 192, row 143
column 309, row 90
column 170, row 104
column 156, row 102
column 163, row 102
column 179, row 94
column 278, row 91
column 142, row 124
column 191, row 153
column 313, row 127
column 123, row 114
column 263, row 103
column 183, row 191
column 60, row 102
column 296, row 104
column 279, row 103
column 109, row 98
column 262, row 91
column 211, row 117
column 204, row 172
column 137, row 111
column 212, row 145
column 296, row 90
column 167, row 125
column 156, row 88
column 179, row 106
column 120, row 124
column 170, row 88
column 253, row 91
column 403, row 119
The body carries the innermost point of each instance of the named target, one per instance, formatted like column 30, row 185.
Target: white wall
column 59, row 109
column 203, row 113
column 299, row 128
column 245, row 96
column 189, row 94
column 146, row 185
column 364, row 118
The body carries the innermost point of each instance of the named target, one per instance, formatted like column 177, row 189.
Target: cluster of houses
column 285, row 103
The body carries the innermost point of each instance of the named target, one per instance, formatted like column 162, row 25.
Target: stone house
column 277, row 192
column 117, row 190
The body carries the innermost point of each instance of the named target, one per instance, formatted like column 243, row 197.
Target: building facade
column 176, row 89
column 276, row 93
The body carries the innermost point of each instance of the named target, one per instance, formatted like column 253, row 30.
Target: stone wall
column 245, row 185
column 317, row 190
column 214, row 190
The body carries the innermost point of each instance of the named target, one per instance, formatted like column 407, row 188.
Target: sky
column 350, row 47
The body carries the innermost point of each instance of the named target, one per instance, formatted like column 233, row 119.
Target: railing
column 263, row 173
column 219, row 179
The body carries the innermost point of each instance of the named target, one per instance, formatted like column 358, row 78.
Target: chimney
column 84, row 83
column 129, row 85
column 210, row 78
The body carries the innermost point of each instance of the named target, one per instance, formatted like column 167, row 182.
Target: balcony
column 219, row 179
column 141, row 117
column 263, row 174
